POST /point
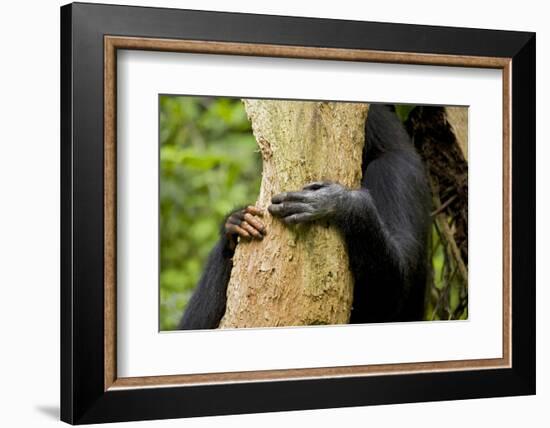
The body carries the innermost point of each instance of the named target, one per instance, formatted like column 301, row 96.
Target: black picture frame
column 83, row 396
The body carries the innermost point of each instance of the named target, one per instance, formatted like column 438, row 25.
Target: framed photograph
column 266, row 213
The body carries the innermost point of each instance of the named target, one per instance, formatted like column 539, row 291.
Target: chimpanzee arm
column 207, row 305
column 385, row 223
column 385, row 226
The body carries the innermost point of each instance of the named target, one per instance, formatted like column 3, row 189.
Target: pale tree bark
column 297, row 275
column 458, row 119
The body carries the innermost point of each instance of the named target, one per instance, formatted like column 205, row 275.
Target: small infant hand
column 245, row 223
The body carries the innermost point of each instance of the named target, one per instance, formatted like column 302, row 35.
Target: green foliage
column 445, row 293
column 209, row 164
column 403, row 110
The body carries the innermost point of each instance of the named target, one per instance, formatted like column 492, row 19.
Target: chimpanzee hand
column 244, row 223
column 318, row 200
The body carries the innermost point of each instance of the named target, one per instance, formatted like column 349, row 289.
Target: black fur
column 207, row 305
column 385, row 225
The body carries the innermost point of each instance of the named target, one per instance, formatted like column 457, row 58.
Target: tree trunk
column 458, row 119
column 297, row 275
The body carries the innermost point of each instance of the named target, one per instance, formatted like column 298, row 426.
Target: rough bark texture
column 458, row 119
column 298, row 275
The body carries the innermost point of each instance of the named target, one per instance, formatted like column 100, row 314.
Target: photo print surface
column 278, row 213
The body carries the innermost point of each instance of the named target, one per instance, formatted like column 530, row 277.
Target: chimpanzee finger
column 290, row 196
column 254, row 210
column 299, row 218
column 316, row 185
column 233, row 229
column 236, row 218
column 288, row 208
column 254, row 222
column 251, row 230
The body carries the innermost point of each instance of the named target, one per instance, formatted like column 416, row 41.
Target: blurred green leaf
column 403, row 110
column 209, row 164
